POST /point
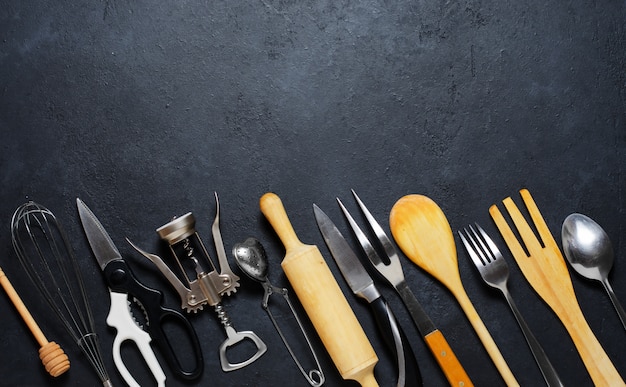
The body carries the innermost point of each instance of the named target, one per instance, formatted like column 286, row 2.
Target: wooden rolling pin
column 320, row 295
column 50, row 353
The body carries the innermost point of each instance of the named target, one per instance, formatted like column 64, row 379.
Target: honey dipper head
column 54, row 359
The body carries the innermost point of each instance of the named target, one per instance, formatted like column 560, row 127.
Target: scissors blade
column 101, row 244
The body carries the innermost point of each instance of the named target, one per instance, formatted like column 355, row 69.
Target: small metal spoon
column 589, row 251
column 252, row 260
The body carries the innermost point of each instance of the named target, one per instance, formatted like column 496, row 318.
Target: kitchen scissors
column 122, row 284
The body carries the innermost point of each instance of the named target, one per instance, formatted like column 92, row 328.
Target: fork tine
column 371, row 253
column 509, row 237
column 491, row 246
column 390, row 251
column 470, row 248
column 540, row 223
column 485, row 253
column 525, row 232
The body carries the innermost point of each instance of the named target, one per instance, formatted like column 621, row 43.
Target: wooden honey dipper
column 50, row 353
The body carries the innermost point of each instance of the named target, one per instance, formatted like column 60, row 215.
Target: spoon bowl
column 421, row 230
column 588, row 249
column 252, row 259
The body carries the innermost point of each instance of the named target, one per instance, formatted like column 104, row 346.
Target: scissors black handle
column 121, row 279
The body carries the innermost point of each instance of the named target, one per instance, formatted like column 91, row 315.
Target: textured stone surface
column 144, row 109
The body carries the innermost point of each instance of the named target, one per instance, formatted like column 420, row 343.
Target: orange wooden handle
column 448, row 362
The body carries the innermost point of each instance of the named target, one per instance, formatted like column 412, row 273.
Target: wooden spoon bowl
column 423, row 233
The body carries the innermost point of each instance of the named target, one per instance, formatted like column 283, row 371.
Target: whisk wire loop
column 44, row 251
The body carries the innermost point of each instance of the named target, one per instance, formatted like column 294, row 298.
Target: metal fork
column 392, row 272
column 495, row 272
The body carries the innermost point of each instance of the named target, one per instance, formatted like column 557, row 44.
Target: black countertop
column 145, row 109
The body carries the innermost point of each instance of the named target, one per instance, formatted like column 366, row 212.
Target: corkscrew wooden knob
column 52, row 356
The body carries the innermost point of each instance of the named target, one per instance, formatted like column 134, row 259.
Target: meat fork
column 495, row 272
column 392, row 272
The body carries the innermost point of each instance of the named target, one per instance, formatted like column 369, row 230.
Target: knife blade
column 391, row 270
column 362, row 285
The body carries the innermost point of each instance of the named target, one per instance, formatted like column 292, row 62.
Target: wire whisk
column 45, row 254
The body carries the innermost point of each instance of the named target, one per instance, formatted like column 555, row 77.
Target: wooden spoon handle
column 485, row 338
column 597, row 362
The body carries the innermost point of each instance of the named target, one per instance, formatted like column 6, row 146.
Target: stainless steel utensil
column 544, row 268
column 589, row 251
column 322, row 299
column 423, row 233
column 252, row 260
column 363, row 286
column 203, row 286
column 495, row 272
column 392, row 272
column 47, row 257
column 126, row 291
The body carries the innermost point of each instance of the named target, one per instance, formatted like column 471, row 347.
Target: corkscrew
column 203, row 287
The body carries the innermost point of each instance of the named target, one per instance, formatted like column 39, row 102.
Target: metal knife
column 391, row 270
column 363, row 286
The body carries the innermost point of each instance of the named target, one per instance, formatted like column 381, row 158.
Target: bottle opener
column 203, row 287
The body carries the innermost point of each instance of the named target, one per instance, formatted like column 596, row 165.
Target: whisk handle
column 120, row 319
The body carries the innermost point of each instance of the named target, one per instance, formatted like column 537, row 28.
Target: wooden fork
column 547, row 273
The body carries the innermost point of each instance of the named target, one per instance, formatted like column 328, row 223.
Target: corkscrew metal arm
column 206, row 287
column 230, row 279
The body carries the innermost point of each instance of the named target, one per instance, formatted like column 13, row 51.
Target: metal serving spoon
column 589, row 251
column 252, row 260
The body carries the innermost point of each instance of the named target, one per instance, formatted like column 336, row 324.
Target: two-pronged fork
column 546, row 271
column 495, row 272
column 392, row 272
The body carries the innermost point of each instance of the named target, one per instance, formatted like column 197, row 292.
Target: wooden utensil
column 422, row 231
column 51, row 354
column 546, row 271
column 322, row 299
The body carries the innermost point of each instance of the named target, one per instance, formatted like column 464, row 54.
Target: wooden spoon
column 422, row 231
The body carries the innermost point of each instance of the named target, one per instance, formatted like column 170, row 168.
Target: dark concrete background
column 144, row 109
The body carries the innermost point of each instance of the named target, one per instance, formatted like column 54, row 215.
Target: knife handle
column 448, row 362
column 408, row 370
